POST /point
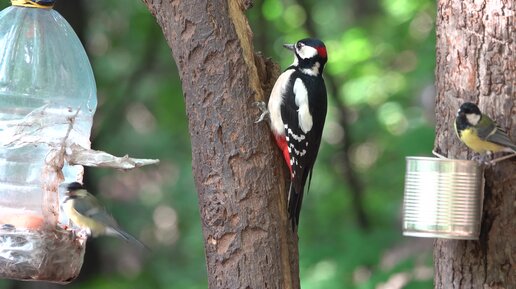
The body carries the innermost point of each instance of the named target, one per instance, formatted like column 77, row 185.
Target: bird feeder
column 47, row 101
column 443, row 198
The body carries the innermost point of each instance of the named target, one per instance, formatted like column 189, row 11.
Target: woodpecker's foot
column 262, row 106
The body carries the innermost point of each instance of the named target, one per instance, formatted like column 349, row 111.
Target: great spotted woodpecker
column 297, row 109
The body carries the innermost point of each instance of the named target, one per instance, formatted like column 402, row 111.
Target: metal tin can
column 443, row 198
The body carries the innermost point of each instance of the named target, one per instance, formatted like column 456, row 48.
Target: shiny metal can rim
column 442, row 160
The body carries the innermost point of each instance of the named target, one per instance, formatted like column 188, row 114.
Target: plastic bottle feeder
column 47, row 101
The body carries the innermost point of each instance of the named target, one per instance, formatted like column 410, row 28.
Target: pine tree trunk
column 476, row 62
column 238, row 172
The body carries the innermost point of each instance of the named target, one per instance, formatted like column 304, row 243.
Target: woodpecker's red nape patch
column 282, row 144
column 321, row 50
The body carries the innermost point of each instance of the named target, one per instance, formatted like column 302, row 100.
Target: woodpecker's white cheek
column 472, row 118
column 303, row 113
column 306, row 52
column 275, row 101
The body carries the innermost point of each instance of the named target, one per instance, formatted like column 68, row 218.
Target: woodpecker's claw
column 262, row 106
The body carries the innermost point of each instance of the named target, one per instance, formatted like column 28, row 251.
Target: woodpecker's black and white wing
column 303, row 113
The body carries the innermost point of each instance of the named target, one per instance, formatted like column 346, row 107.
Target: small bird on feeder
column 480, row 133
column 86, row 212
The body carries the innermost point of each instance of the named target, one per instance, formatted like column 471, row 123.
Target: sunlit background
column 380, row 80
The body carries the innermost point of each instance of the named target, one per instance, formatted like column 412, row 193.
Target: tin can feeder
column 443, row 198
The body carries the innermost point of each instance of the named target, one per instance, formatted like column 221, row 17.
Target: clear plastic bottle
column 46, row 83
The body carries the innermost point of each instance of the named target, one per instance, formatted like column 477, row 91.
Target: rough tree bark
column 476, row 62
column 238, row 173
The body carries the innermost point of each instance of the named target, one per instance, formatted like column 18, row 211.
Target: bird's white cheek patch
column 473, row 119
column 306, row 52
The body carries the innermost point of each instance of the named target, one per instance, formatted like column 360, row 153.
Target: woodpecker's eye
column 299, row 45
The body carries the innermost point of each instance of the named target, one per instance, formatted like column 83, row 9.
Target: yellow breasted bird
column 479, row 132
column 86, row 212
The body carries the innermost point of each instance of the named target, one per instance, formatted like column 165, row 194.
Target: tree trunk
column 239, row 175
column 476, row 62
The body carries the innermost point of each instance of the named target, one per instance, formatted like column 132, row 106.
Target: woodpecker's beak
column 289, row 46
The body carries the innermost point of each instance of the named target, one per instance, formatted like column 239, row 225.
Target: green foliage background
column 381, row 61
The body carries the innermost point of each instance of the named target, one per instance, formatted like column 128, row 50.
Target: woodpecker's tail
column 295, row 199
column 295, row 196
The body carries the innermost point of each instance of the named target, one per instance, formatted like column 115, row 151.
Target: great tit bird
column 86, row 212
column 479, row 132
